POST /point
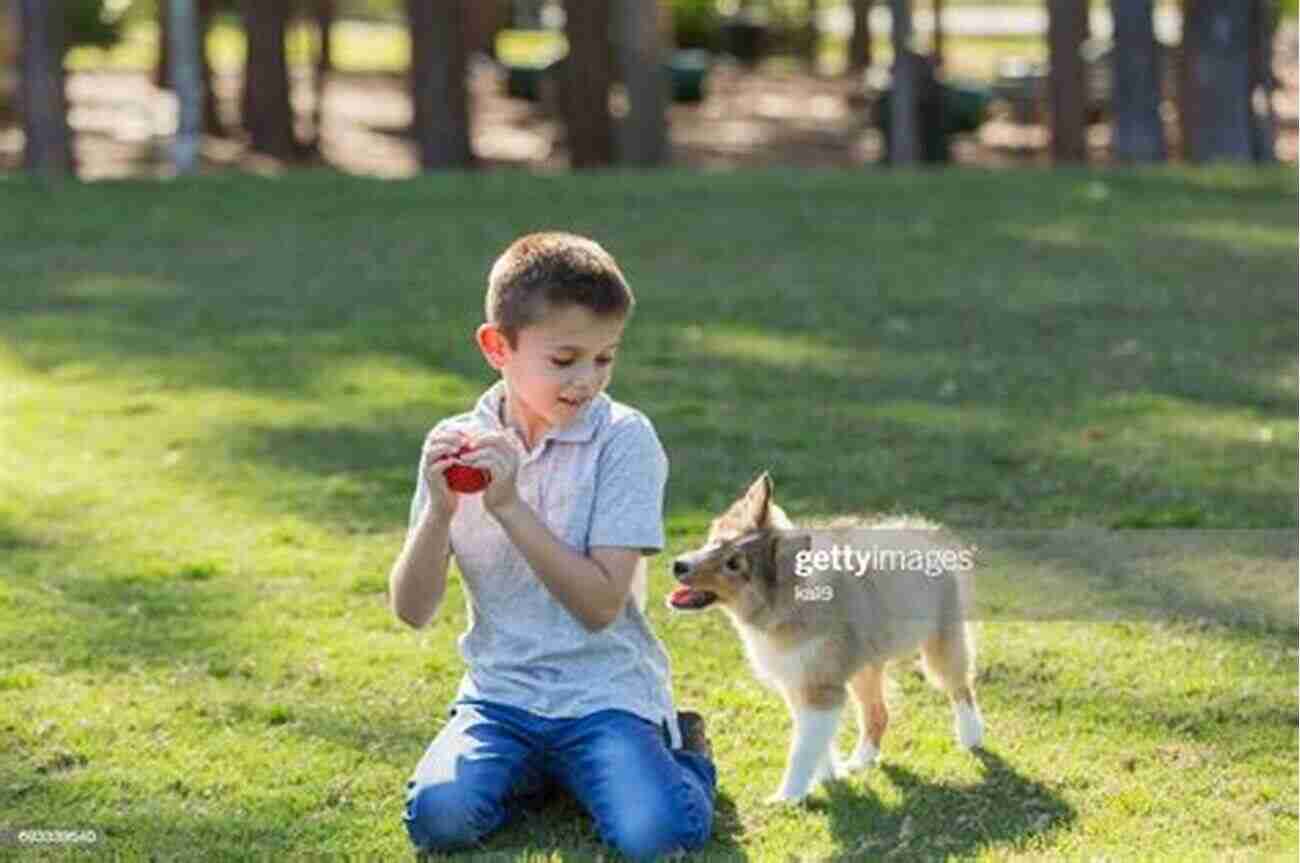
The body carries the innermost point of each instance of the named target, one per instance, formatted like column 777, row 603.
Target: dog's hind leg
column 950, row 664
column 868, row 690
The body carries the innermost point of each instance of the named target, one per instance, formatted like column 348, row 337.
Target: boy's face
column 558, row 364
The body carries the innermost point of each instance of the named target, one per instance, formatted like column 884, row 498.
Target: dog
column 816, row 636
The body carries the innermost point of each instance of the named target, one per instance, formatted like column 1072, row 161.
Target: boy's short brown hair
column 540, row 271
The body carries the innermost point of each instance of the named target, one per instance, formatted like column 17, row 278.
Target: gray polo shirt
column 597, row 481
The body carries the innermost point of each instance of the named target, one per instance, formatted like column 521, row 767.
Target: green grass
column 212, row 397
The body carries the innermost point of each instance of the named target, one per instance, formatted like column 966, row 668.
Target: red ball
column 467, row 480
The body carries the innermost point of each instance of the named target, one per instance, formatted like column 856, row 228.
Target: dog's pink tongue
column 681, row 595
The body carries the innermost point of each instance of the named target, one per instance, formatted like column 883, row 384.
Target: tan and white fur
column 817, row 653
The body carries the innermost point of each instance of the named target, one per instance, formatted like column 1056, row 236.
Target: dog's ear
column 748, row 512
column 758, row 501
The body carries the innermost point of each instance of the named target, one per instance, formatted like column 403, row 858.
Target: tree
column 812, row 35
column 1067, row 27
column 587, row 75
column 439, row 93
column 1139, row 135
column 904, row 103
column 187, row 80
column 1217, row 42
column 860, row 39
column 268, row 113
column 937, row 53
column 644, row 139
column 212, row 124
column 1263, row 140
column 48, row 148
column 324, row 13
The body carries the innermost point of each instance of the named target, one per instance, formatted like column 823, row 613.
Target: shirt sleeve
column 631, row 473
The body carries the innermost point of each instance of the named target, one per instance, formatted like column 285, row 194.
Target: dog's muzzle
column 687, row 598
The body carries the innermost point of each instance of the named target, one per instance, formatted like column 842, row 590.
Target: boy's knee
column 445, row 816
column 657, row 828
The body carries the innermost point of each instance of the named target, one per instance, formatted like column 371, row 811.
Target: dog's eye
column 733, row 563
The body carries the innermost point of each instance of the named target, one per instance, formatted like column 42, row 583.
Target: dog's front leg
column 816, row 713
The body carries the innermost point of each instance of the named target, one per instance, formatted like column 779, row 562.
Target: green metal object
column 962, row 107
column 688, row 70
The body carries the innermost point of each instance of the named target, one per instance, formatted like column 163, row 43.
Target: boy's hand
column 495, row 453
column 442, row 500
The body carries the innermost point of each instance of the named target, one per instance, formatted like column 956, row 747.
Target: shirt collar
column 580, row 429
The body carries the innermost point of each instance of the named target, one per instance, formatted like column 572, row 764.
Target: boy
column 565, row 681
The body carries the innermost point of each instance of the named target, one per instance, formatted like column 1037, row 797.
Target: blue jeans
column 647, row 800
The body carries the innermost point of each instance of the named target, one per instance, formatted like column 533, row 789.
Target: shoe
column 693, row 736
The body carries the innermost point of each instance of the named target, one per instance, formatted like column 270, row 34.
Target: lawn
column 212, row 398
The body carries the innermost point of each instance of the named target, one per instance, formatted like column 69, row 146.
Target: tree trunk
column 1139, row 135
column 904, row 103
column 212, row 124
column 324, row 11
column 439, row 93
column 162, row 70
column 187, row 79
column 936, row 55
column 1183, row 96
column 1219, row 80
column 485, row 19
column 811, row 35
column 645, row 130
column 860, row 40
column 587, row 75
column 268, row 111
column 1067, row 26
column 48, row 148
column 1263, row 138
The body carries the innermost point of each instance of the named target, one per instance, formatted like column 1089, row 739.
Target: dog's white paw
column 864, row 756
column 970, row 725
column 829, row 768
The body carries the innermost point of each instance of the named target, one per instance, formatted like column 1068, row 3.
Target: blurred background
column 391, row 87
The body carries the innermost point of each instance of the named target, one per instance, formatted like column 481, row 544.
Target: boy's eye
column 565, row 363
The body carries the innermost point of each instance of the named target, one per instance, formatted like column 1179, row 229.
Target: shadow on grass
column 1004, row 810
column 14, row 538
column 1192, row 714
column 115, row 620
column 1078, row 323
column 1240, row 579
column 986, row 341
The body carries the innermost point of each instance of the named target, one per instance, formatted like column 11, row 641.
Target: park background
column 213, row 389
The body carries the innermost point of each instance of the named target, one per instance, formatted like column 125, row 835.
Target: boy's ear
column 492, row 342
